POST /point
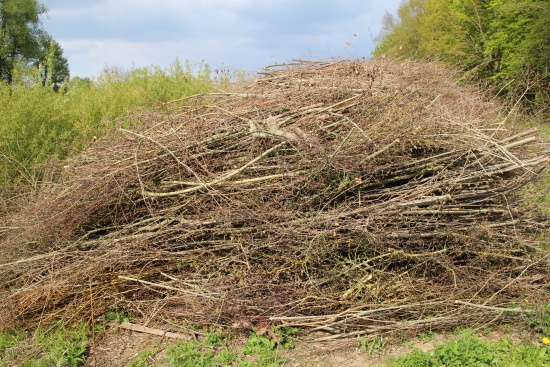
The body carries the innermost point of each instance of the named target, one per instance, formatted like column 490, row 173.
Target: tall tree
column 400, row 36
column 520, row 35
column 53, row 66
column 502, row 41
column 20, row 34
column 451, row 31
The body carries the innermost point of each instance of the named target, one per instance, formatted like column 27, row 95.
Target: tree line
column 505, row 43
column 27, row 52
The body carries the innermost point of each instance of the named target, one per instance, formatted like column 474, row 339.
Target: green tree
column 450, row 31
column 400, row 36
column 520, row 36
column 77, row 82
column 24, row 42
column 504, row 42
column 53, row 66
column 456, row 32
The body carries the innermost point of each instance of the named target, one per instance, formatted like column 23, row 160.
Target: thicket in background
column 502, row 42
column 39, row 125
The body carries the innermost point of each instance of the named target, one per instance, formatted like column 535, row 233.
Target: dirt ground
column 118, row 347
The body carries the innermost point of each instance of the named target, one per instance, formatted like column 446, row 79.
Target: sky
column 239, row 35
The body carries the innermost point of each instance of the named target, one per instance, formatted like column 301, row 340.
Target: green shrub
column 38, row 125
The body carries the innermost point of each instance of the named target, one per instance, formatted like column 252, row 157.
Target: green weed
column 540, row 322
column 190, row 354
column 258, row 351
column 143, row 359
column 7, row 340
column 264, row 349
column 214, row 339
column 118, row 316
column 469, row 350
column 426, row 336
column 225, row 357
column 62, row 346
column 373, row 345
column 287, row 336
column 210, row 352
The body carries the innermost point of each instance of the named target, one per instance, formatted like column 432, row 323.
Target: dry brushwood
column 351, row 197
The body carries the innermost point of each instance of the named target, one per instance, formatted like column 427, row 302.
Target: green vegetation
column 24, row 44
column 265, row 350
column 68, row 346
column 143, row 359
column 39, row 125
column 46, row 118
column 469, row 350
column 373, row 345
column 118, row 316
column 214, row 350
column 61, row 346
column 540, row 322
column 504, row 42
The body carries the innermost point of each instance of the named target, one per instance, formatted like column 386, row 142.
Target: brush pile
column 351, row 197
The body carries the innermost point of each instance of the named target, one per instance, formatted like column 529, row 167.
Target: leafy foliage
column 258, row 351
column 190, row 354
column 469, row 350
column 24, row 43
column 265, row 350
column 506, row 42
column 61, row 346
column 53, row 67
column 38, row 125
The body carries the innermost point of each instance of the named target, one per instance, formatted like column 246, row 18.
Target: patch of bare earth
column 119, row 347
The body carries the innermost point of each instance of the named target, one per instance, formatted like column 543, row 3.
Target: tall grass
column 38, row 125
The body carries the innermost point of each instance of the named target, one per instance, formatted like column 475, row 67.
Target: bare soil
column 118, row 347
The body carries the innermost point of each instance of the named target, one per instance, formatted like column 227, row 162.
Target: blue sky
column 238, row 34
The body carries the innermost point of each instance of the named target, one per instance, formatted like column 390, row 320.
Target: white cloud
column 243, row 34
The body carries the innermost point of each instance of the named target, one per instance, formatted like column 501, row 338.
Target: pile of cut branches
column 351, row 197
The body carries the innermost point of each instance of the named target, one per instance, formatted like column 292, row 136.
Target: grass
column 61, row 346
column 470, row 350
column 217, row 350
column 373, row 345
column 68, row 346
column 144, row 359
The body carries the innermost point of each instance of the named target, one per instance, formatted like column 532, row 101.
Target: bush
column 39, row 125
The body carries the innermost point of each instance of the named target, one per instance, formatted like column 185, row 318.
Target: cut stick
column 218, row 180
column 378, row 152
column 148, row 330
column 427, row 201
column 166, row 287
column 498, row 309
